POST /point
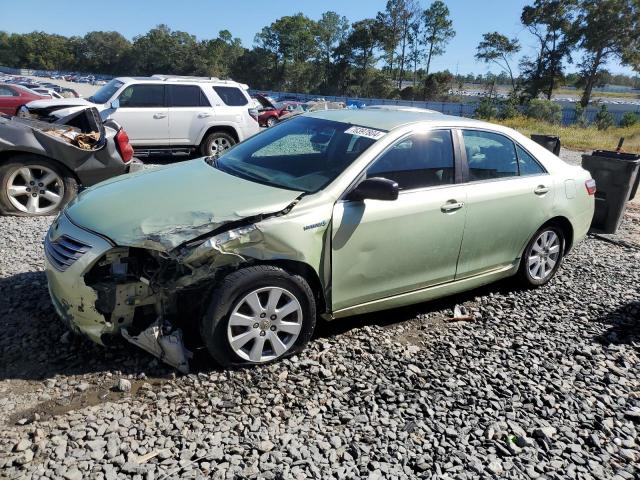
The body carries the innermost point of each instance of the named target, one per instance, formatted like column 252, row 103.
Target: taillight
column 124, row 147
column 591, row 186
column 254, row 113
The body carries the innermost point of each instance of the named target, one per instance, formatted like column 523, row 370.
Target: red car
column 271, row 111
column 12, row 97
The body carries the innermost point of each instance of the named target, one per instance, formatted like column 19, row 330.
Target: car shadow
column 388, row 318
column 623, row 325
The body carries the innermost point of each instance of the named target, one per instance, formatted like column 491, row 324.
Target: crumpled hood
column 161, row 208
column 60, row 103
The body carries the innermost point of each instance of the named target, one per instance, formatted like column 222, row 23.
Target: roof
column 181, row 79
column 385, row 119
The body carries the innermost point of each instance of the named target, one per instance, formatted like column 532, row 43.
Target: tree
column 363, row 40
column 605, row 29
column 291, row 42
column 498, row 49
column 331, row 30
column 103, row 52
column 162, row 50
column 437, row 30
column 388, row 26
column 550, row 22
column 408, row 16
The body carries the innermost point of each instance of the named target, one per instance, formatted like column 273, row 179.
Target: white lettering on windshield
column 365, row 132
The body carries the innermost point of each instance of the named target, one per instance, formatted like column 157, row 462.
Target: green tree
column 103, row 52
column 291, row 42
column 389, row 31
column 437, row 29
column 331, row 30
column 362, row 42
column 162, row 50
column 498, row 49
column 605, row 29
column 604, row 119
column 550, row 22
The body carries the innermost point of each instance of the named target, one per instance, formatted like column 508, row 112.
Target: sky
column 244, row 18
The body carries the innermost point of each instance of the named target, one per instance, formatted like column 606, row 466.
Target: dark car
column 43, row 164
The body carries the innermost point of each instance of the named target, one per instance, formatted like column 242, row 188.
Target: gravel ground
column 544, row 384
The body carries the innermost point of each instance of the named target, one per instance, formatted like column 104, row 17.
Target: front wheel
column 258, row 315
column 271, row 121
column 543, row 256
column 216, row 143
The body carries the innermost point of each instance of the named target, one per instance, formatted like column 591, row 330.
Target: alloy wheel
column 264, row 324
column 544, row 255
column 35, row 189
column 218, row 146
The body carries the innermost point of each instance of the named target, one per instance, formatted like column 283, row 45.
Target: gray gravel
column 544, row 384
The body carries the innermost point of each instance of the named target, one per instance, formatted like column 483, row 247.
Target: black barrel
column 549, row 142
column 616, row 176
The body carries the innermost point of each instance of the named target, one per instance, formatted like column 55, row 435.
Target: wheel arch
column 307, row 272
column 564, row 224
column 7, row 155
column 220, row 128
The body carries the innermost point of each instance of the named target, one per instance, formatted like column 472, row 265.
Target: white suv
column 169, row 114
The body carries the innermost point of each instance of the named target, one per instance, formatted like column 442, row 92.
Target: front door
column 509, row 197
column 384, row 248
column 143, row 114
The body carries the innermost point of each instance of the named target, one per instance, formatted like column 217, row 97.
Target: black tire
column 526, row 276
column 7, row 170
column 212, row 138
column 271, row 121
column 234, row 287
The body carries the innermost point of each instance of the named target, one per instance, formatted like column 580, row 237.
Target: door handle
column 204, row 115
column 451, row 206
column 159, row 115
column 541, row 190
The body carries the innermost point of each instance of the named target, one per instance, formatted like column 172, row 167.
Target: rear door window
column 528, row 165
column 142, row 96
column 186, row 96
column 490, row 156
column 231, row 96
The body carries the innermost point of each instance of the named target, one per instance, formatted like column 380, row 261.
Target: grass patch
column 578, row 94
column 577, row 138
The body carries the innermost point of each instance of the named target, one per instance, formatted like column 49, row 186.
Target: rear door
column 190, row 113
column 509, row 196
column 9, row 100
column 143, row 114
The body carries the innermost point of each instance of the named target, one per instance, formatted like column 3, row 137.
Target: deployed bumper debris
column 161, row 340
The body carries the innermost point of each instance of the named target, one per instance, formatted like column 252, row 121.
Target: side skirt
column 429, row 293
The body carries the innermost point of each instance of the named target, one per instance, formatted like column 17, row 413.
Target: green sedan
column 329, row 214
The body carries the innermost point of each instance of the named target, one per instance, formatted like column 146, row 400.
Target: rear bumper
column 135, row 165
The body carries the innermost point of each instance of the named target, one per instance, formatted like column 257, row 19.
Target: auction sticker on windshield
column 365, row 132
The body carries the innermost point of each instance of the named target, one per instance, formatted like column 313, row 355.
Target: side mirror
column 115, row 104
column 375, row 188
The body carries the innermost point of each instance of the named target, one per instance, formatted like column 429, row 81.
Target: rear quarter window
column 231, row 96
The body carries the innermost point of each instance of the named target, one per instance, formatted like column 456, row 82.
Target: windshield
column 303, row 154
column 106, row 92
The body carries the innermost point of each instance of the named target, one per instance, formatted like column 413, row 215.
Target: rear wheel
column 216, row 143
column 271, row 121
column 543, row 256
column 258, row 315
column 34, row 186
